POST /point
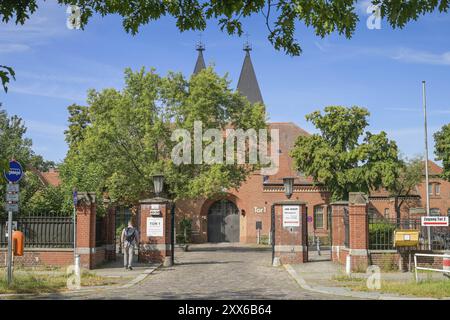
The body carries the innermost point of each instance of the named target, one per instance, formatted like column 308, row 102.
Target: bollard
column 348, row 265
column 446, row 262
column 318, row 246
column 77, row 265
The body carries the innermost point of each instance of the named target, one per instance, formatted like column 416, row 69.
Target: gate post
column 86, row 219
column 290, row 241
column 337, row 229
column 359, row 230
column 155, row 229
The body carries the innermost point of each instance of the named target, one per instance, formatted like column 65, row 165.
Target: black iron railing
column 41, row 231
column 381, row 234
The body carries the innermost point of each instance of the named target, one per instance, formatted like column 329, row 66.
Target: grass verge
column 425, row 288
column 48, row 283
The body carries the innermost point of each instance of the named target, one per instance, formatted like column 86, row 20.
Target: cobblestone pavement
column 214, row 272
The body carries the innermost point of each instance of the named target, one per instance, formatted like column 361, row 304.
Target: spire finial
column 200, row 45
column 247, row 45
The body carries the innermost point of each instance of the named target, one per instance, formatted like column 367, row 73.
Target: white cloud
column 13, row 47
column 424, row 57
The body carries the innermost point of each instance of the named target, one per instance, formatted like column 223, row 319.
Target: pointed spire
column 248, row 84
column 200, row 64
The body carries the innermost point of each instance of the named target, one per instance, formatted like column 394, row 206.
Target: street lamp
column 288, row 186
column 158, row 183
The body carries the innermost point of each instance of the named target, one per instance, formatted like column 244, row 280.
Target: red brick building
column 234, row 218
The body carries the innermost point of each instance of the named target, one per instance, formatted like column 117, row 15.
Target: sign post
column 13, row 175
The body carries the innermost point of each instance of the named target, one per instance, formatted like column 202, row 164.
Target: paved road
column 214, row 272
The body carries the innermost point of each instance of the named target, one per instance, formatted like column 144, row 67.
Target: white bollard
column 348, row 265
column 276, row 262
column 446, row 262
column 77, row 265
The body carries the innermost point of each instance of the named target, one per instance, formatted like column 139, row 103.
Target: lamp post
column 158, row 183
column 288, row 183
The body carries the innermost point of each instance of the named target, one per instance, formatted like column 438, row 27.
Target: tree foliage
column 281, row 17
column 122, row 138
column 442, row 146
column 343, row 156
column 409, row 175
column 14, row 145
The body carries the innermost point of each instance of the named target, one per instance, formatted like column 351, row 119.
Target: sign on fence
column 291, row 216
column 434, row 221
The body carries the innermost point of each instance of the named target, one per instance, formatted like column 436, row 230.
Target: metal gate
column 223, row 222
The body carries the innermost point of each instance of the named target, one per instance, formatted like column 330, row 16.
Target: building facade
column 244, row 214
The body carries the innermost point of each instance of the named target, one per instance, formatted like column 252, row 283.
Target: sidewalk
column 318, row 277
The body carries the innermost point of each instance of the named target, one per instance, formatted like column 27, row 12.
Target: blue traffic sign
column 15, row 172
column 75, row 198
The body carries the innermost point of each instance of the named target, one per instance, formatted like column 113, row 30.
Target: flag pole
column 426, row 161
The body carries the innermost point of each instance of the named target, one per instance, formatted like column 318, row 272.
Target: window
column 448, row 212
column 435, row 212
column 372, row 212
column 386, row 212
column 265, row 179
column 437, row 189
column 430, row 189
column 318, row 217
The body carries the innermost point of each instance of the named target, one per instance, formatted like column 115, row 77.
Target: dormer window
column 265, row 179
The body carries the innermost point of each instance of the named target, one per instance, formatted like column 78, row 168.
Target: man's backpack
column 129, row 234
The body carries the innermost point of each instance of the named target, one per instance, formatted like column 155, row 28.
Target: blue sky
column 381, row 70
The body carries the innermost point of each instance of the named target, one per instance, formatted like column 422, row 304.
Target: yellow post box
column 406, row 238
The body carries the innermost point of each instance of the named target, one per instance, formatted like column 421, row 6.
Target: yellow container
column 406, row 238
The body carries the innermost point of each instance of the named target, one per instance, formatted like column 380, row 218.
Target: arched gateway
column 223, row 222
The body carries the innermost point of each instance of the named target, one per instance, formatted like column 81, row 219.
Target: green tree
column 343, row 156
column 14, row 145
column 127, row 136
column 409, row 175
column 280, row 17
column 442, row 149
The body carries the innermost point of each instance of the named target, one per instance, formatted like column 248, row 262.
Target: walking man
column 130, row 239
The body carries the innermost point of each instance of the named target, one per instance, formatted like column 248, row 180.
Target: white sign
column 13, row 207
column 12, row 187
column 291, row 216
column 12, row 197
column 155, row 227
column 434, row 221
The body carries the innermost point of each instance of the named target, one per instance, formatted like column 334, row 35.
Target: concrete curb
column 359, row 295
column 130, row 284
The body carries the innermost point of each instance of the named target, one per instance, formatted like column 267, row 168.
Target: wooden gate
column 223, row 222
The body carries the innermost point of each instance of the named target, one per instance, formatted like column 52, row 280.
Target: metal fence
column 381, row 234
column 346, row 228
column 41, row 231
column 100, row 234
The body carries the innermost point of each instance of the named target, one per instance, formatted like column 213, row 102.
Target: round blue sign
column 15, row 172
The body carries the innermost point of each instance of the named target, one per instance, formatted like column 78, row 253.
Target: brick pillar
column 86, row 215
column 110, row 250
column 337, row 229
column 155, row 228
column 291, row 242
column 359, row 230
